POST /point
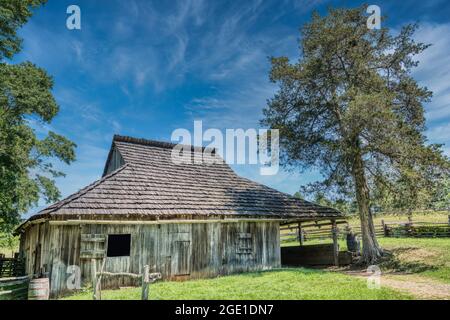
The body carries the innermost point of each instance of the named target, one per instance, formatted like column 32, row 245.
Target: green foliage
column 351, row 93
column 441, row 195
column 422, row 231
column 8, row 243
column 298, row 195
column 26, row 169
column 13, row 15
column 345, row 204
column 351, row 108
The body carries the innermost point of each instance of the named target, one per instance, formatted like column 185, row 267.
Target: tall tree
column 350, row 107
column 26, row 170
column 409, row 193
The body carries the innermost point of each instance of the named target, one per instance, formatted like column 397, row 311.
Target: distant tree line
column 404, row 199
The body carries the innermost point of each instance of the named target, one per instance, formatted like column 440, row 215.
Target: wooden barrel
column 39, row 289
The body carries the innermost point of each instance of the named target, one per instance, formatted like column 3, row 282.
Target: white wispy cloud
column 149, row 49
column 434, row 68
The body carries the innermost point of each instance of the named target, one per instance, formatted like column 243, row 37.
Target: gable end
column 114, row 162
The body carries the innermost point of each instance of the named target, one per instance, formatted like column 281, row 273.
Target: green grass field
column 423, row 216
column 425, row 257
column 281, row 284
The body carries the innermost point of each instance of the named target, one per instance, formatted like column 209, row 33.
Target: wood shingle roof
column 150, row 185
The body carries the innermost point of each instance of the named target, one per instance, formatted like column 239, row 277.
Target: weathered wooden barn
column 183, row 220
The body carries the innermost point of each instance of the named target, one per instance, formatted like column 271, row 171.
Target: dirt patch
column 419, row 287
column 416, row 254
column 409, row 260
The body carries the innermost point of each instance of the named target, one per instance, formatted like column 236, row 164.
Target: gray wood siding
column 178, row 251
column 115, row 162
column 51, row 249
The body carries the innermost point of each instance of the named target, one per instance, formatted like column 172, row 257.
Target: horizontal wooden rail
column 14, row 288
column 118, row 274
column 315, row 231
column 146, row 277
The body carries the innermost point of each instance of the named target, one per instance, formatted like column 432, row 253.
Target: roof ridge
column 58, row 205
column 157, row 144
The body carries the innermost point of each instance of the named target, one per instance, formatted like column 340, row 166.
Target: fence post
column 145, row 282
column 300, row 233
column 383, row 225
column 410, row 220
column 335, row 243
column 94, row 278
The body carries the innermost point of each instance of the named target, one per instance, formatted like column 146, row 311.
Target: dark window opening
column 119, row 245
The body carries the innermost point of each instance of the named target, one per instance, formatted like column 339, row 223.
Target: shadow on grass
column 392, row 262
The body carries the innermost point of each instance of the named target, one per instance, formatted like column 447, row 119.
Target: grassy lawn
column 425, row 257
column 435, row 216
column 281, row 284
column 419, row 259
column 5, row 245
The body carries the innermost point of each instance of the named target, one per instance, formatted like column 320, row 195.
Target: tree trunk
column 371, row 251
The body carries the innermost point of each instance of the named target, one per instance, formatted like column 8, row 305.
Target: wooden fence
column 11, row 267
column 323, row 230
column 319, row 231
column 14, row 288
column 417, row 230
column 146, row 277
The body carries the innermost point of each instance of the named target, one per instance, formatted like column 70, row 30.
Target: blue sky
column 145, row 68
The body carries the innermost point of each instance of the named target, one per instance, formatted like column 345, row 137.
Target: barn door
column 92, row 250
column 180, row 250
column 181, row 258
column 37, row 260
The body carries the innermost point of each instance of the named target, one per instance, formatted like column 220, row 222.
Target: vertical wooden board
column 202, row 250
column 200, row 247
column 84, row 265
column 151, row 248
column 164, row 247
column 277, row 242
column 221, row 238
column 256, row 231
column 181, row 255
column 65, row 241
column 231, row 248
column 139, row 252
column 179, row 239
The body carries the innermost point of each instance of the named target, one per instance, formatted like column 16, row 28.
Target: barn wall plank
column 178, row 251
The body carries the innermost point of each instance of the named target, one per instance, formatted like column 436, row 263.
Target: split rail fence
column 146, row 276
column 11, row 267
column 15, row 288
column 323, row 230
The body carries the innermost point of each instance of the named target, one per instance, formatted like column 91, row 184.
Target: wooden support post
column 335, row 243
column 410, row 220
column 145, row 282
column 383, row 225
column 94, row 277
column 300, row 233
column 98, row 281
